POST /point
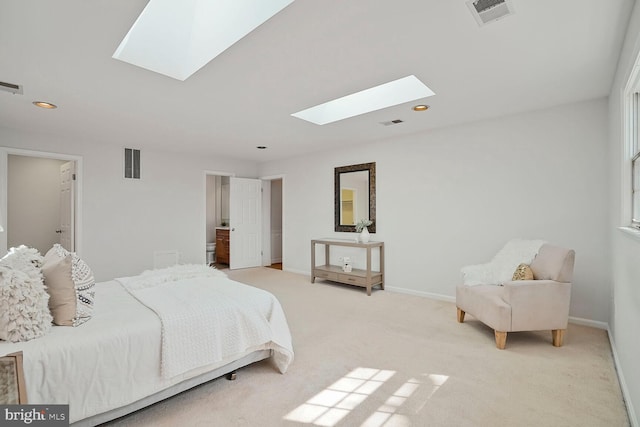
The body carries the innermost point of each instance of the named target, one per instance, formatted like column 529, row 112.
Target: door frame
column 204, row 203
column 4, row 183
column 266, row 229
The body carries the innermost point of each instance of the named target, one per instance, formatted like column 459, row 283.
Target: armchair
column 525, row 305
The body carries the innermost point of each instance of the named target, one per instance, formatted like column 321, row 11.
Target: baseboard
column 439, row 297
column 633, row 420
column 588, row 322
column 293, row 270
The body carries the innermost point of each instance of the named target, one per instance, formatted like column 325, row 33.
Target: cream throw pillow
column 24, row 310
column 71, row 287
column 523, row 272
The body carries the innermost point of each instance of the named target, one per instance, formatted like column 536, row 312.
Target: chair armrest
column 538, row 304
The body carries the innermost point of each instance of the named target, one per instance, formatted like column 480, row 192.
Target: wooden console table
column 364, row 278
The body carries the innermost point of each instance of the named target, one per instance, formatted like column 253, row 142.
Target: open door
column 67, row 210
column 245, row 219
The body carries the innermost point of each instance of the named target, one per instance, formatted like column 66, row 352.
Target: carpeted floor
column 398, row 360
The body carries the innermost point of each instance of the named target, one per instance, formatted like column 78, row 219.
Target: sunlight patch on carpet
column 331, row 405
column 387, row 416
column 335, row 402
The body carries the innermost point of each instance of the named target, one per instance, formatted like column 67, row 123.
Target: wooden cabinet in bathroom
column 222, row 246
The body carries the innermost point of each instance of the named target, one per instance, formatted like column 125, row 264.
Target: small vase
column 364, row 235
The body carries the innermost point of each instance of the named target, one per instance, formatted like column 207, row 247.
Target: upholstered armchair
column 541, row 303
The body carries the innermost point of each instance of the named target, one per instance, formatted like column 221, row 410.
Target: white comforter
column 207, row 317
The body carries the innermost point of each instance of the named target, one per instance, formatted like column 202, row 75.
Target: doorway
column 233, row 219
column 217, row 218
column 218, row 215
column 39, row 199
column 273, row 235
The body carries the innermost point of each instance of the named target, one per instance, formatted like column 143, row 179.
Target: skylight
column 177, row 38
column 376, row 98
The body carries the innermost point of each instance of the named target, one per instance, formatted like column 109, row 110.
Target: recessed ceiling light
column 421, row 107
column 376, row 98
column 47, row 105
column 178, row 38
column 261, row 147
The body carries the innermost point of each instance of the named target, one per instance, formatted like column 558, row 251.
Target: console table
column 364, row 278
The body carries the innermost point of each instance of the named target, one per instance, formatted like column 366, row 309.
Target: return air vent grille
column 11, row 87
column 131, row 163
column 486, row 11
column 392, row 122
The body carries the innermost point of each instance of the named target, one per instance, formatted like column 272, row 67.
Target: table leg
column 313, row 261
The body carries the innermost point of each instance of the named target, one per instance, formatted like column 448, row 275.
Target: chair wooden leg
column 501, row 339
column 460, row 315
column 558, row 337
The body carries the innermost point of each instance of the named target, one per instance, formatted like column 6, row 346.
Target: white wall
column 453, row 197
column 126, row 220
column 625, row 316
column 33, row 207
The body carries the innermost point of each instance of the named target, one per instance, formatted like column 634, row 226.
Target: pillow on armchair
column 523, row 272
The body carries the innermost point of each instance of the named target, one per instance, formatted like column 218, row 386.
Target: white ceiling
column 549, row 52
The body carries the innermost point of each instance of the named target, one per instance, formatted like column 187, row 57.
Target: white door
column 67, row 211
column 244, row 220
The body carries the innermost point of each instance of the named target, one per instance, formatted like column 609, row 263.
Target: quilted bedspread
column 207, row 317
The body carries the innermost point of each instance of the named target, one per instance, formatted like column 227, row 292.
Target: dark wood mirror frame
column 371, row 168
column 14, row 361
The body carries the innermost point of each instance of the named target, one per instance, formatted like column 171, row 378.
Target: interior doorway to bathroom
column 217, row 218
column 233, row 221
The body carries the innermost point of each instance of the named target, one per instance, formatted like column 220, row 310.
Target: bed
column 119, row 361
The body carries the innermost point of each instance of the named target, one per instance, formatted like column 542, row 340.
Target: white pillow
column 24, row 302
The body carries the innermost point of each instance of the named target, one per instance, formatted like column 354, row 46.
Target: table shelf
column 359, row 277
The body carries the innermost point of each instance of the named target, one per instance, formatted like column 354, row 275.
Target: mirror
column 355, row 196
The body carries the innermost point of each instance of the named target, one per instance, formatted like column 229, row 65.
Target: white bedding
column 106, row 363
column 196, row 332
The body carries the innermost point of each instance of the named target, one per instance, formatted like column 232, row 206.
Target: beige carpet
column 398, row 360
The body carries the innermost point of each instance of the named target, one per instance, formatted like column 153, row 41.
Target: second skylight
column 376, row 98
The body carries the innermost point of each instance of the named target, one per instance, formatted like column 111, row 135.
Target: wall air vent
column 486, row 11
column 131, row 163
column 392, row 122
column 11, row 87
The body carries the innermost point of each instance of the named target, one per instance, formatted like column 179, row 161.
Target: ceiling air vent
column 392, row 122
column 486, row 11
column 10, row 87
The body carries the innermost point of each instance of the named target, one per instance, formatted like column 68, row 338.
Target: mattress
column 109, row 362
